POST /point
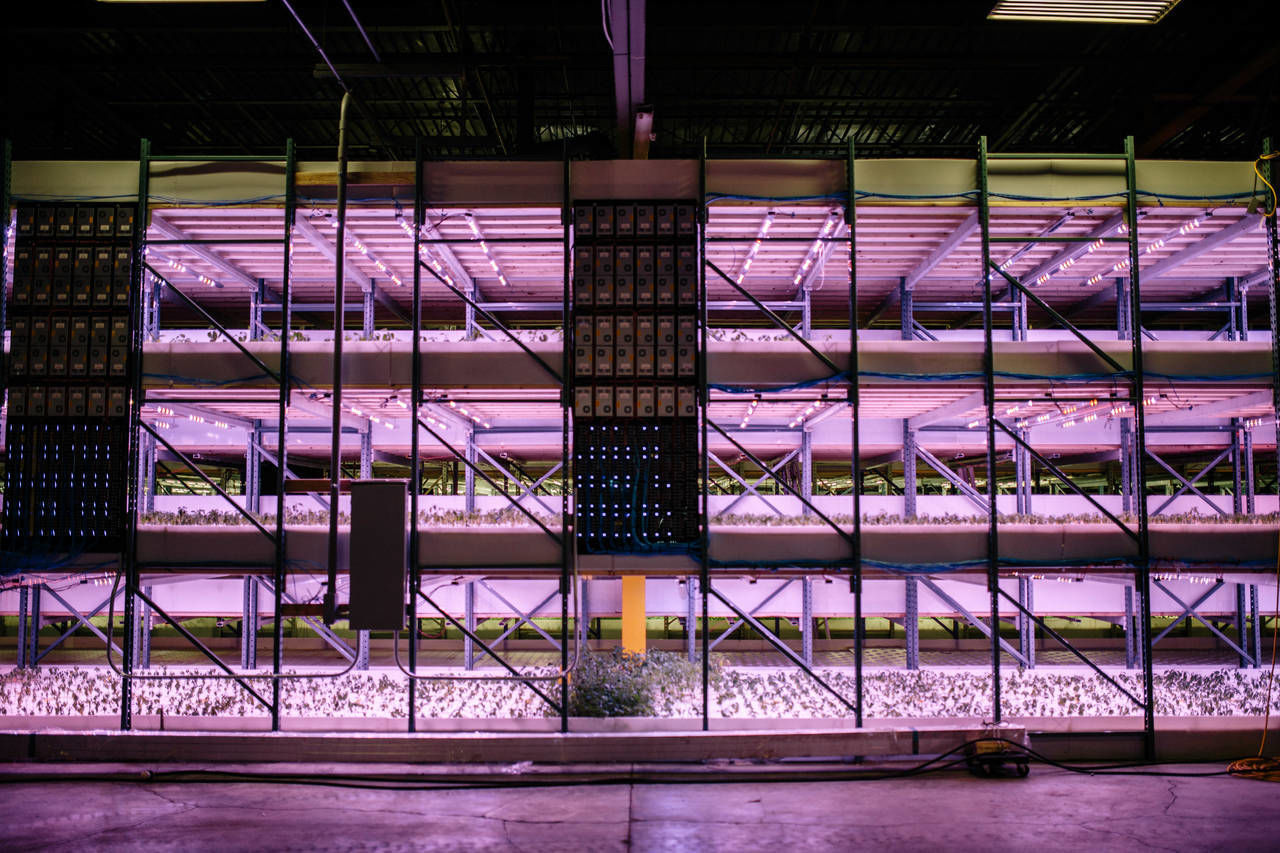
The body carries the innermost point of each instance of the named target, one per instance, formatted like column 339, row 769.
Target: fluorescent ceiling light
column 1086, row 11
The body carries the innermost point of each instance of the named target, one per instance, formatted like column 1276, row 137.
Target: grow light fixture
column 425, row 254
column 484, row 247
column 1074, row 414
column 361, row 413
column 373, row 259
column 178, row 266
column 1083, row 11
column 1154, row 246
column 1078, row 254
column 755, row 247
column 751, row 410
column 807, row 413
column 1200, row 579
column 814, row 254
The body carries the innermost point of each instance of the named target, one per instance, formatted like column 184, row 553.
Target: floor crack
column 631, row 805
column 1173, row 795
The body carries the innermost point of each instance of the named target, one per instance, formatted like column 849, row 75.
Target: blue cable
column 711, row 197
column 714, row 197
column 974, row 193
column 191, row 202
column 198, row 381
column 795, row 386
column 231, row 202
column 962, row 565
column 977, row 374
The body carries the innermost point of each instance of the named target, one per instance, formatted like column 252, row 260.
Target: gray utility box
column 379, row 554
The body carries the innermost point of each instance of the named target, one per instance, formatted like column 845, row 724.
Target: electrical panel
column 380, row 536
column 72, row 343
column 637, row 350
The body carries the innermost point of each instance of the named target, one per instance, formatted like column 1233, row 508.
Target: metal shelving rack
column 565, row 539
column 1021, row 295
column 1021, row 301
column 848, row 378
column 131, row 566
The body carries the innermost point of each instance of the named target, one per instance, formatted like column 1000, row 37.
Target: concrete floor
column 1050, row 810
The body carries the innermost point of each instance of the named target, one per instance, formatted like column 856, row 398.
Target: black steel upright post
column 989, row 397
column 1273, row 251
column 1142, row 570
column 129, row 553
column 339, row 326
column 5, row 188
column 568, row 546
column 704, row 392
column 5, row 202
column 415, row 460
column 855, row 461
column 282, row 447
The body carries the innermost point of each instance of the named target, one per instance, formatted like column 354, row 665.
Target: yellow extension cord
column 1261, row 766
column 1258, row 172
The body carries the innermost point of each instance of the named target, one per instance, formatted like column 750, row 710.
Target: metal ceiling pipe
column 316, row 45
column 626, row 35
column 339, row 326
column 363, row 34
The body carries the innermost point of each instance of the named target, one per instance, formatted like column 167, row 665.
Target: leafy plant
column 511, row 517
column 625, row 684
column 657, row 684
column 610, row 685
column 183, row 517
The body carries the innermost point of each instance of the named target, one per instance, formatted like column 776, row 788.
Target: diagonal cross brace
column 1044, row 626
column 1066, row 480
column 1189, row 484
column 781, row 647
column 1189, row 611
column 81, row 618
column 920, row 332
column 752, row 612
column 201, row 647
column 1018, row 287
column 971, row 619
column 471, row 635
column 751, row 487
column 524, row 618
column 496, row 323
column 208, row 481
column 337, row 643
column 480, row 473
column 288, row 474
column 844, row 534
column 778, row 321
column 208, row 318
column 525, row 491
column 951, row 477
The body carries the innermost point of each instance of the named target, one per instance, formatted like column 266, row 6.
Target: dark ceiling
column 480, row 78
